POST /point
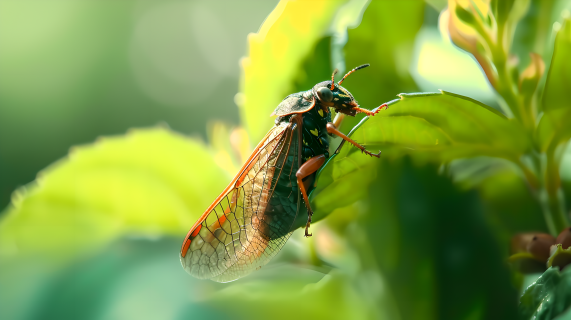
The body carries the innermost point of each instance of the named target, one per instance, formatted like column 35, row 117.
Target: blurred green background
column 134, row 115
column 76, row 70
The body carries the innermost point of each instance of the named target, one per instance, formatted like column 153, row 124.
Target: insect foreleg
column 309, row 167
column 369, row 112
column 333, row 130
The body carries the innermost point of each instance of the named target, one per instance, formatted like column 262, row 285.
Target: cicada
column 251, row 220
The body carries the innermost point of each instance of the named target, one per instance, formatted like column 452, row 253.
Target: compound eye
column 325, row 94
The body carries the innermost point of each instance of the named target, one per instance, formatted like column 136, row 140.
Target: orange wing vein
column 235, row 235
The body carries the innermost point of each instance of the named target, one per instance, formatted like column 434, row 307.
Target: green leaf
column 548, row 296
column 554, row 127
column 464, row 15
column 502, row 9
column 276, row 54
column 533, row 32
column 442, row 127
column 150, row 182
column 437, row 127
column 426, row 236
column 315, row 296
column 556, row 89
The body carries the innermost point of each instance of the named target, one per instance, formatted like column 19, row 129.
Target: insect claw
column 309, row 214
column 307, row 234
column 378, row 155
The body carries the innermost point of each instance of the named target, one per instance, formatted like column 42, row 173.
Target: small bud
column 462, row 37
column 564, row 238
column 520, row 241
column 540, row 245
column 530, row 251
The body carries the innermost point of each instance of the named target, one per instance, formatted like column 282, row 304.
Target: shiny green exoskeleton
column 254, row 216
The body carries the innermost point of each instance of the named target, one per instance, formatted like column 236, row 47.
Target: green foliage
column 389, row 39
column 444, row 126
column 554, row 127
column 405, row 239
column 548, row 296
column 417, row 234
column 137, row 184
column 289, row 34
column 437, row 127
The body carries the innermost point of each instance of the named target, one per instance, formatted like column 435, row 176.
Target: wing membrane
column 245, row 226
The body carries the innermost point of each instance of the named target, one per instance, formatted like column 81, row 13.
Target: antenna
column 333, row 79
column 348, row 73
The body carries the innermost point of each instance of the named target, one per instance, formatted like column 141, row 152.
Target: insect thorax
column 315, row 139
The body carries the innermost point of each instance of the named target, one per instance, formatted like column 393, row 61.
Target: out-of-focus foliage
column 138, row 184
column 548, row 297
column 388, row 51
column 287, row 37
column 72, row 71
column 421, row 233
column 554, row 126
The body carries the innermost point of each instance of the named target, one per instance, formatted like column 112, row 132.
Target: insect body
column 252, row 218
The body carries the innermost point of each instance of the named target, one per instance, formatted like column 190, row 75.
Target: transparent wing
column 249, row 222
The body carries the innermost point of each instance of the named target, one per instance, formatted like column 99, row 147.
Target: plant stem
column 553, row 203
column 553, row 213
column 530, row 176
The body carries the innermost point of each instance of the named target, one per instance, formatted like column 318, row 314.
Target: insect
column 252, row 218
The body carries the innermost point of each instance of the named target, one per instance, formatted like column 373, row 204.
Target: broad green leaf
column 150, row 182
column 276, row 54
column 438, row 127
column 314, row 296
column 441, row 126
column 554, row 126
column 548, row 296
column 147, row 276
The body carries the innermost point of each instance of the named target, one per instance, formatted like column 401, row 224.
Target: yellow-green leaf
column 150, row 182
column 276, row 53
column 442, row 126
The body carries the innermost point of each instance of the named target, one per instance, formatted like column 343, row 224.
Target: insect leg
column 309, row 167
column 369, row 112
column 333, row 130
